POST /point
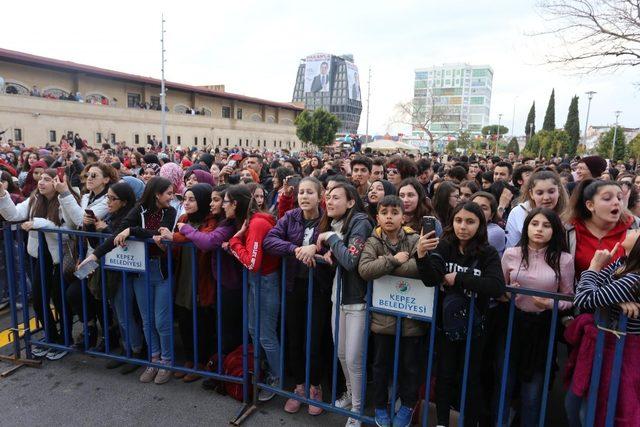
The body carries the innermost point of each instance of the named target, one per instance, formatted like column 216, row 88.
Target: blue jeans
column 269, row 310
column 157, row 324
column 129, row 326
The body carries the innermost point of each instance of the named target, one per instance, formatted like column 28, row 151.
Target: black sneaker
column 55, row 354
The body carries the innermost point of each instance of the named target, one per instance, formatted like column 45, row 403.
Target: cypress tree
column 572, row 126
column 550, row 116
column 530, row 126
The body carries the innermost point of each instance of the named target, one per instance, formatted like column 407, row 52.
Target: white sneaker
column 345, row 401
column 352, row 422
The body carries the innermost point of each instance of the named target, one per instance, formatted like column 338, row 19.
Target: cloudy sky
column 254, row 48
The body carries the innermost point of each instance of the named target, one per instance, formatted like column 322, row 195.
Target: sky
column 254, row 48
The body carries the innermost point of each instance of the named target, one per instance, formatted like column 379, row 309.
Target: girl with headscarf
column 175, row 175
column 149, row 171
column 31, row 182
column 197, row 176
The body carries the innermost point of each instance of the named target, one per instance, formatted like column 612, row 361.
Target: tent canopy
column 388, row 145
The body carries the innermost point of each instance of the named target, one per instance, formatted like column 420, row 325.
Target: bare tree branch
column 593, row 35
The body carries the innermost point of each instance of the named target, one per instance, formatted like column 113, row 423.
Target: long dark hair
column 12, row 188
column 556, row 246
column 586, row 191
column 424, row 204
column 125, row 193
column 358, row 206
column 246, row 205
column 156, row 185
column 441, row 204
column 222, row 189
column 479, row 240
column 631, row 263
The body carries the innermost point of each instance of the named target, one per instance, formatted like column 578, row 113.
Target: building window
column 52, row 136
column 226, row 112
column 240, row 142
column 195, row 140
column 227, row 142
column 133, row 100
column 239, row 113
column 168, row 140
column 247, row 142
column 136, row 138
column 17, row 135
column 219, row 141
column 98, row 137
column 204, row 141
column 155, row 101
column 113, row 138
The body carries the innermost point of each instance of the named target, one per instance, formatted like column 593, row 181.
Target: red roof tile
column 29, row 59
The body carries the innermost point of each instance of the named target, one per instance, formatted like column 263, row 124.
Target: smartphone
column 84, row 271
column 90, row 213
column 60, row 172
column 232, row 163
column 428, row 224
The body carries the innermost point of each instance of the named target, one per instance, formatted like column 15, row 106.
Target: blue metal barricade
column 255, row 379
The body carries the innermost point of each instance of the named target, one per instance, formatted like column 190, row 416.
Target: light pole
column 163, row 101
column 586, row 122
column 366, row 131
column 498, row 137
column 513, row 116
column 615, row 134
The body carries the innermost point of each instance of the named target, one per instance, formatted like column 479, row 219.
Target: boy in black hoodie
column 463, row 264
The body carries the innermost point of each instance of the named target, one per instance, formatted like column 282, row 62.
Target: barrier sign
column 128, row 258
column 403, row 295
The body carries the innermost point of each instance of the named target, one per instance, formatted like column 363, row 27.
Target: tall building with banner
column 331, row 82
column 452, row 98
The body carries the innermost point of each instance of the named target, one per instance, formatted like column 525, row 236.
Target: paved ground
column 78, row 391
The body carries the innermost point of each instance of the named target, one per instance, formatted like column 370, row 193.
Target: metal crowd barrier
column 253, row 379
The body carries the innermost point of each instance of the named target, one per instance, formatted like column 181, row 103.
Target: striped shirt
column 601, row 289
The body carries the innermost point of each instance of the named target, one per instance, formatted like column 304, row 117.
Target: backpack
column 232, row 366
column 455, row 315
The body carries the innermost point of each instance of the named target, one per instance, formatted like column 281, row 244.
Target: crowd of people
column 470, row 226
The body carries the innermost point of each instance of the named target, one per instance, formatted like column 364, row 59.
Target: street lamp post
column 163, row 94
column 498, row 135
column 615, row 134
column 586, row 122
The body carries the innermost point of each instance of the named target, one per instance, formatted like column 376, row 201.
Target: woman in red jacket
column 247, row 246
column 597, row 220
column 196, row 205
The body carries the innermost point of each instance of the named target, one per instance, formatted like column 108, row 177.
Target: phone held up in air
column 60, row 172
column 428, row 224
column 90, row 213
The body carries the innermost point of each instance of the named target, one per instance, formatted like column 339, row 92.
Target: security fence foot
column 244, row 413
column 18, row 362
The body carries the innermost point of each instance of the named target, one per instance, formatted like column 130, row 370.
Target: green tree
column 549, row 123
column 530, row 126
column 634, row 147
column 548, row 144
column 464, row 140
column 513, row 146
column 493, row 130
column 619, row 147
column 318, row 127
column 572, row 126
column 451, row 147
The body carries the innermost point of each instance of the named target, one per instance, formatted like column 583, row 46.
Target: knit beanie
column 595, row 164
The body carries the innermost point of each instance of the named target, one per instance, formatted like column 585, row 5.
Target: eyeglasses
column 112, row 198
column 392, row 170
column 93, row 175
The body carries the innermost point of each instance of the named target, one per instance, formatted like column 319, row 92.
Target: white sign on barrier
column 128, row 258
column 403, row 295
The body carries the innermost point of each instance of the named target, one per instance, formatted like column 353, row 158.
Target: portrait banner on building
column 353, row 81
column 317, row 73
